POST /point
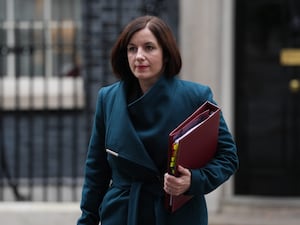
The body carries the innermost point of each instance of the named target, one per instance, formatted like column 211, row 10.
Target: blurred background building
column 54, row 56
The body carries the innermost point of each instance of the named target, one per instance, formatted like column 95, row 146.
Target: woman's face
column 145, row 58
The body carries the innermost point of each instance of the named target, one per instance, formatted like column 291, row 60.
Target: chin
column 141, row 76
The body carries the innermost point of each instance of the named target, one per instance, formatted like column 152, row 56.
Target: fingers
column 171, row 186
column 177, row 185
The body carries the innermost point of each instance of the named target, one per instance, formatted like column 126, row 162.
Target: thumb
column 183, row 171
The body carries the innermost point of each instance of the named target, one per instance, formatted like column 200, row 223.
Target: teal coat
column 127, row 156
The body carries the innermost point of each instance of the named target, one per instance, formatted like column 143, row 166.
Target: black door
column 268, row 97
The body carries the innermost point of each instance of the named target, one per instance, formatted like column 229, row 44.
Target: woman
column 125, row 174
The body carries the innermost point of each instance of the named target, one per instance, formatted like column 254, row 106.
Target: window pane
column 2, row 10
column 65, row 10
column 29, row 9
column 39, row 52
column 3, row 51
column 64, row 49
column 21, row 52
column 29, row 52
column 2, row 35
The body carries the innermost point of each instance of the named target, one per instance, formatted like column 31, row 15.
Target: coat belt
column 134, row 188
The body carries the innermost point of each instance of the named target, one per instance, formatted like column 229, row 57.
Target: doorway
column 267, row 92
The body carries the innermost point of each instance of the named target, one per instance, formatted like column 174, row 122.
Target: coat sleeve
column 221, row 167
column 97, row 171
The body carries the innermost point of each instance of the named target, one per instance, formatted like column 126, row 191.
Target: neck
column 146, row 85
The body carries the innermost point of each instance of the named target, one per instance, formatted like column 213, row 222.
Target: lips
column 142, row 67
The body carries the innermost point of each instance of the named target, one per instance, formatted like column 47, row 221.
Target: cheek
column 159, row 63
column 130, row 60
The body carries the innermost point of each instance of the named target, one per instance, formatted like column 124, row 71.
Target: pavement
column 28, row 213
column 269, row 213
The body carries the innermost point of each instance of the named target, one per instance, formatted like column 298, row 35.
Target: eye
column 149, row 47
column 131, row 49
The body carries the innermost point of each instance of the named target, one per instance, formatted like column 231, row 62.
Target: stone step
column 268, row 213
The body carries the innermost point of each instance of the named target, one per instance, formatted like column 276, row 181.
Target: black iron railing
column 42, row 118
column 46, row 108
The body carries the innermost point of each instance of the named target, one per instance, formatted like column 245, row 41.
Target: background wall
column 206, row 28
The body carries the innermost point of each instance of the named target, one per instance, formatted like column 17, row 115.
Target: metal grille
column 46, row 108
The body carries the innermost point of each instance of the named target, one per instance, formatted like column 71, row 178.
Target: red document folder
column 192, row 145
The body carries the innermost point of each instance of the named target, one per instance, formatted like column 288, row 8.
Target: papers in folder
column 192, row 145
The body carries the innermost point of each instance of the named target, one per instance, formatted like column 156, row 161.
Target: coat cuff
column 196, row 187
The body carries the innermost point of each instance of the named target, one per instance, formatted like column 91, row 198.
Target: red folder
column 192, row 145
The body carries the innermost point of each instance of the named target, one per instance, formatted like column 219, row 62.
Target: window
column 40, row 53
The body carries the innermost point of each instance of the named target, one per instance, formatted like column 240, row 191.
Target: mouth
column 141, row 67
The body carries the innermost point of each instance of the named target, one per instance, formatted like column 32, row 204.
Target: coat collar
column 151, row 109
column 122, row 136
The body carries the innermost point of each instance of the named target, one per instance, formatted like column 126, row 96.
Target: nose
column 140, row 54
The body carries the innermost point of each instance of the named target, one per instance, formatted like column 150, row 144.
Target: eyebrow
column 147, row 43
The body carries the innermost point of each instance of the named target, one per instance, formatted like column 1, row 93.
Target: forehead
column 143, row 36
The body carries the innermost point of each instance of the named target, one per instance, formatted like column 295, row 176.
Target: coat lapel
column 121, row 136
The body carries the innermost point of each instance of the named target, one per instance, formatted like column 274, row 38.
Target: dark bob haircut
column 165, row 38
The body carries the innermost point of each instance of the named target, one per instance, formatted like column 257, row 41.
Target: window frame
column 43, row 91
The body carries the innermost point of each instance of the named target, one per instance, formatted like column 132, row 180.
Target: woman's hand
column 177, row 185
